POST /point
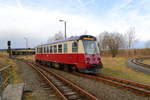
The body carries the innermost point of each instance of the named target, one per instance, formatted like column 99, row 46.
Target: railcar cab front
column 91, row 54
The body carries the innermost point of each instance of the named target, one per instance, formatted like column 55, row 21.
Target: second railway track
column 64, row 88
column 139, row 61
column 136, row 87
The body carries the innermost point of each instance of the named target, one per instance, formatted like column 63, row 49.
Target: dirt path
column 34, row 87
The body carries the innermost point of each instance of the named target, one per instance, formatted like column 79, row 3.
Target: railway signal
column 9, row 48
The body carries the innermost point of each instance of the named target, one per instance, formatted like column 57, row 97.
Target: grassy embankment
column 116, row 67
column 4, row 61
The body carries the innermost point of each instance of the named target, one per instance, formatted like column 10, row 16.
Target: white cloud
column 19, row 4
column 38, row 25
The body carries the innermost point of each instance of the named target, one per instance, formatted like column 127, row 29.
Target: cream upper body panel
column 80, row 47
column 69, row 44
column 69, row 47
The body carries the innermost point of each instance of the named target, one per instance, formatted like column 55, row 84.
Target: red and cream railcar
column 80, row 52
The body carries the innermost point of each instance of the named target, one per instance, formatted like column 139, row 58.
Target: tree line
column 113, row 42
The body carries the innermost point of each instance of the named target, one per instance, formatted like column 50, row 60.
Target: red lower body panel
column 76, row 59
column 80, row 60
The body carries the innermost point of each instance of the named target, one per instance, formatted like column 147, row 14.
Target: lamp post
column 64, row 26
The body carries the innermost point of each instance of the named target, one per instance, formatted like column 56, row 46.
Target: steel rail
column 129, row 82
column 49, row 82
column 137, row 62
column 83, row 92
column 69, row 83
column 132, row 88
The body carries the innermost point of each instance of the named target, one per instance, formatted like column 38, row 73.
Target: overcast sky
column 39, row 19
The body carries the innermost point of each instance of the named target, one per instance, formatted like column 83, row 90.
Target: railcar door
column 75, row 52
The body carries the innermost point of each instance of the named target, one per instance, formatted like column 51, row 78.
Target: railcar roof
column 67, row 39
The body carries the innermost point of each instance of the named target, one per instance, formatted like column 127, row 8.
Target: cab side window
column 74, row 47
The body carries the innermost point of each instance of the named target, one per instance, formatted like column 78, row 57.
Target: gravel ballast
column 100, row 90
column 34, row 83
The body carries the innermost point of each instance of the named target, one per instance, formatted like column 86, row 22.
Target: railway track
column 138, row 88
column 141, row 89
column 64, row 88
column 135, row 87
column 139, row 61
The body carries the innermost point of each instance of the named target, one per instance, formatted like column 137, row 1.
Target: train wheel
column 70, row 68
column 74, row 68
column 50, row 64
column 61, row 66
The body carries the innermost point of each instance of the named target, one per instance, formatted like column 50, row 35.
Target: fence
column 5, row 77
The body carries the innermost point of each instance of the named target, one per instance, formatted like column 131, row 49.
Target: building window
column 51, row 49
column 65, row 48
column 60, row 48
column 74, row 47
column 55, row 48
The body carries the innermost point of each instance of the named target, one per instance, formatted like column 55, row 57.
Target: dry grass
column 116, row 67
column 27, row 57
column 147, row 61
column 4, row 61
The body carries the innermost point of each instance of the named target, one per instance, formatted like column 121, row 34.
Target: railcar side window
column 60, row 48
column 44, row 49
column 55, row 48
column 41, row 50
column 51, row 49
column 65, row 48
column 47, row 49
column 38, row 50
column 74, row 47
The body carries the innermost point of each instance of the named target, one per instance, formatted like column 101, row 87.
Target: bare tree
column 101, row 42
column 130, row 38
column 111, row 41
column 57, row 36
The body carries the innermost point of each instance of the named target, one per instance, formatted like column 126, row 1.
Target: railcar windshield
column 90, row 47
